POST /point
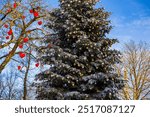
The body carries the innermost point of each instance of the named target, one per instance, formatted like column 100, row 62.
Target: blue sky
column 130, row 19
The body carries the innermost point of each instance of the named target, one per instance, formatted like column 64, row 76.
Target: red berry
column 37, row 64
column 15, row 5
column 19, row 67
column 10, row 32
column 6, row 26
column 40, row 22
column 36, row 14
column 8, row 10
column 22, row 55
column 26, row 39
column 31, row 10
column 21, row 46
column 23, row 17
column 7, row 37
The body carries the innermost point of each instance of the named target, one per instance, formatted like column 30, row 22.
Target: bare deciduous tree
column 19, row 25
column 135, row 69
column 2, row 88
column 9, row 88
column 24, row 19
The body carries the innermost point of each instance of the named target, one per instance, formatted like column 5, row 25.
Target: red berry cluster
column 35, row 13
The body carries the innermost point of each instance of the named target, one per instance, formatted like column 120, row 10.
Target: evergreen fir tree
column 79, row 54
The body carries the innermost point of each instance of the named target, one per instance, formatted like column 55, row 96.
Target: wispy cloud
column 142, row 22
column 136, row 30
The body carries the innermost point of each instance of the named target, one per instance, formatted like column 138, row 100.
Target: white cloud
column 125, row 30
column 142, row 22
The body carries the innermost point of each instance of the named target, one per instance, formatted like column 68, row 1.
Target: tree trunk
column 26, row 78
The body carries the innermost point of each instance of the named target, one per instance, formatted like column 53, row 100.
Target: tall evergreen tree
column 79, row 54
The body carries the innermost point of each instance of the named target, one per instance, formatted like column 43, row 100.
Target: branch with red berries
column 19, row 25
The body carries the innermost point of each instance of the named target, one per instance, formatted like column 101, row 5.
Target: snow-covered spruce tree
column 80, row 56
